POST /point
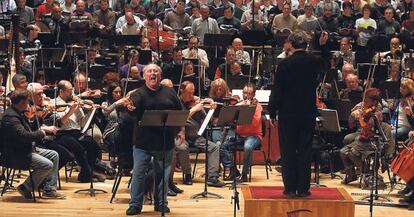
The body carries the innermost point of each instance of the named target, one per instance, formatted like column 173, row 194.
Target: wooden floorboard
column 81, row 205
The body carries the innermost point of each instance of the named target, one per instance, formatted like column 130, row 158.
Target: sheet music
column 88, row 121
column 205, row 123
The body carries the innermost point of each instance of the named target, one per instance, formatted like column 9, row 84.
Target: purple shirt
column 123, row 70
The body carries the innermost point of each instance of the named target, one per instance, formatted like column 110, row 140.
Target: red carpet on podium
column 276, row 192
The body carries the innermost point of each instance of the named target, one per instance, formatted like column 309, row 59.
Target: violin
column 407, row 103
column 365, row 116
column 208, row 103
column 4, row 101
column 42, row 111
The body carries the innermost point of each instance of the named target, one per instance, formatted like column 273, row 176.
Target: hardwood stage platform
column 81, row 205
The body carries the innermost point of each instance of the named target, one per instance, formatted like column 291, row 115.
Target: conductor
column 293, row 99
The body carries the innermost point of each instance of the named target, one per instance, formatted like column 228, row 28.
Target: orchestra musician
column 173, row 70
column 357, row 146
column 69, row 121
column 194, row 121
column 405, row 110
column 19, row 82
column 145, row 45
column 133, row 58
column 38, row 115
column 250, row 135
column 20, row 149
column 352, row 86
column 242, row 56
column 293, row 98
column 223, row 70
column 193, row 52
column 80, row 87
column 148, row 142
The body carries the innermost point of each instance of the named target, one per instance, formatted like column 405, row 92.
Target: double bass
column 403, row 164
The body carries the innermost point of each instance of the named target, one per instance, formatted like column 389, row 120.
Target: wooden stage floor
column 77, row 205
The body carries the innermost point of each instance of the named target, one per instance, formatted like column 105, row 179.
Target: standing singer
column 148, row 141
column 293, row 98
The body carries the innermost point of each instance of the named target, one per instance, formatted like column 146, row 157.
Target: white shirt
column 121, row 21
column 202, row 56
column 74, row 121
column 7, row 5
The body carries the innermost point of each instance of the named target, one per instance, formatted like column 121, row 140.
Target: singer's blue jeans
column 142, row 159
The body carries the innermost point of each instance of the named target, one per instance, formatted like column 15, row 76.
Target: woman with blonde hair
column 402, row 119
column 219, row 89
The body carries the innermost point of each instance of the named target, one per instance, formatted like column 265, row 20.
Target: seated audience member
column 103, row 20
column 131, row 27
column 122, row 20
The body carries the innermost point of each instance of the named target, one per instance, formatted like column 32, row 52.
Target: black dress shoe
column 174, row 188
column 24, row 192
column 171, row 193
column 160, row 208
column 303, row 194
column 232, row 174
column 133, row 210
column 187, row 179
column 405, row 191
column 243, row 178
column 289, row 194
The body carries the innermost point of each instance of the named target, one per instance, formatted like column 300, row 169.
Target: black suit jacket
column 17, row 140
column 294, row 89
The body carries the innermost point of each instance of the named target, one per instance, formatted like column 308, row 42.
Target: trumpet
column 239, row 56
column 193, row 53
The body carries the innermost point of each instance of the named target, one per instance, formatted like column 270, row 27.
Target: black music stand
column 49, row 55
column 47, row 39
column 87, row 123
column 56, row 74
column 200, row 132
column 216, row 41
column 232, row 116
column 343, row 107
column 254, row 37
column 97, row 72
column 390, row 90
column 328, row 123
column 380, row 72
column 238, row 82
column 145, row 56
column 132, row 40
column 164, row 119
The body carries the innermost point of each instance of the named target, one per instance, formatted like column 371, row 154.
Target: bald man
column 242, row 56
